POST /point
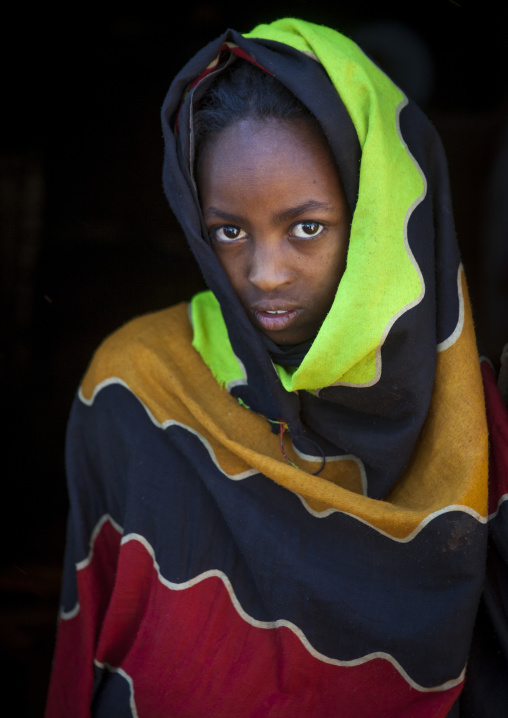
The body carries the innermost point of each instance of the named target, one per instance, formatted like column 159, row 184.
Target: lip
column 275, row 322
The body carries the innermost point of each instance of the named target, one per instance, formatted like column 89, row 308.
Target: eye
column 228, row 233
column 307, row 230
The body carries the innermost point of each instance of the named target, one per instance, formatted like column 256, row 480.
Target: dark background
column 87, row 239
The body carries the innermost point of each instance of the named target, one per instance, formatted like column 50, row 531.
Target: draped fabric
column 253, row 539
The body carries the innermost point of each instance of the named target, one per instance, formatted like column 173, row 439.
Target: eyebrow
column 312, row 205
column 223, row 215
column 285, row 215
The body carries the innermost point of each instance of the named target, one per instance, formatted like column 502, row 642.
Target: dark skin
column 279, row 222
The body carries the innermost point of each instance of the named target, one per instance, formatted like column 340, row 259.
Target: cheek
column 233, row 266
column 326, row 280
column 340, row 255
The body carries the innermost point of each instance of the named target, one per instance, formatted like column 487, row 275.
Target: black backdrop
column 87, row 240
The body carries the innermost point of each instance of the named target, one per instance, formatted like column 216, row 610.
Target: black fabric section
column 112, row 695
column 426, row 147
column 287, row 354
column 90, row 497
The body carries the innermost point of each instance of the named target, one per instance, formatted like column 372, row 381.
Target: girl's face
column 278, row 221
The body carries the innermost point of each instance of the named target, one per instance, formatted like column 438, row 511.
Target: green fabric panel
column 211, row 340
column 382, row 279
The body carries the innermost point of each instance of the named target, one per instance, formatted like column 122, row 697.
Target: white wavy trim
column 110, row 381
column 242, row 380
column 121, row 672
column 312, row 56
column 501, row 501
column 287, row 624
column 447, row 343
column 88, row 560
column 253, row 472
column 166, row 424
column 447, row 509
column 482, row 357
column 68, row 615
column 80, row 565
column 342, row 457
column 234, row 477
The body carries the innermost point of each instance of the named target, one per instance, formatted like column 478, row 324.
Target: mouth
column 274, row 320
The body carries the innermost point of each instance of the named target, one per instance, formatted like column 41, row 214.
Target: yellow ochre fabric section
column 451, row 456
column 154, row 356
column 382, row 279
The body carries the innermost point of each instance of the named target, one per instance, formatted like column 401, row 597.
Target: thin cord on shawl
column 283, row 427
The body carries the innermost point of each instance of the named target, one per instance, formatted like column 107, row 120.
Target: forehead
column 255, row 153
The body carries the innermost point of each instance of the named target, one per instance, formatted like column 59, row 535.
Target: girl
column 279, row 491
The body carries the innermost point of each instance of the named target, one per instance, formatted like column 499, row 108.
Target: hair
column 244, row 91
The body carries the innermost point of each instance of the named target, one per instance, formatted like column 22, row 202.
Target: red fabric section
column 497, row 418
column 190, row 653
column 71, row 683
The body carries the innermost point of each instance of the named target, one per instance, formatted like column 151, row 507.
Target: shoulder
column 160, row 331
column 142, row 350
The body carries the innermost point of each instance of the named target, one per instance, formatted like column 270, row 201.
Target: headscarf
column 400, row 330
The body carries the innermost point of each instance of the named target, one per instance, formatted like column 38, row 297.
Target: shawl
column 252, row 539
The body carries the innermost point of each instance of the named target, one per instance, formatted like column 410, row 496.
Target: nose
column 269, row 266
